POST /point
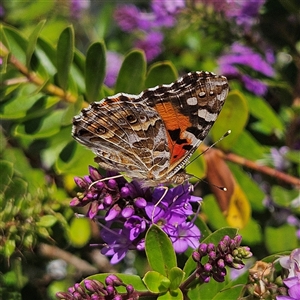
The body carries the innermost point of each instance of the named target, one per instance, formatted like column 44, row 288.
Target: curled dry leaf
column 233, row 202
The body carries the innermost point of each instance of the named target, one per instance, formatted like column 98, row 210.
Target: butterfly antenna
column 222, row 188
column 211, row 146
column 159, row 201
column 103, row 179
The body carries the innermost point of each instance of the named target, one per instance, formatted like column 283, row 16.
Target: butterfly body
column 151, row 136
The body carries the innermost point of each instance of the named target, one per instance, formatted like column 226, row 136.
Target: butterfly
column 151, row 136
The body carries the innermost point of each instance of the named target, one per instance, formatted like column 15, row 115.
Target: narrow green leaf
column 32, row 42
column 65, row 54
column 17, row 42
column 156, row 282
column 42, row 127
column 94, row 70
column 159, row 251
column 234, row 117
column 17, row 107
column 161, row 73
column 132, row 74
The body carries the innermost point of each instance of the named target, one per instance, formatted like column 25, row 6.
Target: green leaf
column 9, row 248
column 280, row 238
column 176, row 275
column 73, row 159
column 161, row 73
column 65, row 54
column 251, row 233
column 234, row 117
column 17, row 107
column 55, row 145
column 134, row 280
column 245, row 142
column 198, row 167
column 43, row 127
column 47, row 221
column 132, row 74
column 216, row 236
column 80, row 232
column 171, row 295
column 17, row 189
column 6, row 174
column 17, row 43
column 212, row 210
column 262, row 110
column 156, row 282
column 33, row 10
column 159, row 251
column 46, row 53
column 282, row 196
column 248, row 184
column 206, row 291
column 32, row 42
column 94, row 70
column 233, row 292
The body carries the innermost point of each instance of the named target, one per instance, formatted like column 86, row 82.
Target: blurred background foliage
column 58, row 56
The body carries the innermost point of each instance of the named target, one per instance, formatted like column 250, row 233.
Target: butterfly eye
column 131, row 119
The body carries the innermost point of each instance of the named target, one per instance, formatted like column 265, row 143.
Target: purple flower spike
column 151, row 44
column 130, row 209
column 238, row 56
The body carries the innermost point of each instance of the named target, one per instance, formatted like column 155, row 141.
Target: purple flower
column 165, row 11
column 130, row 18
column 183, row 235
column 253, row 85
column 244, row 13
column 77, row 6
column 293, row 285
column 227, row 253
column 128, row 211
column 113, row 65
column 94, row 289
column 2, row 11
column 151, row 44
column 239, row 56
column 292, row 264
column 278, row 157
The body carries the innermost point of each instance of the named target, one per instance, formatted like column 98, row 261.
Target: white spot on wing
column 192, row 101
column 207, row 116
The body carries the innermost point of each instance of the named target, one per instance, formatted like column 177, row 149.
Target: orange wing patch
column 175, row 123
